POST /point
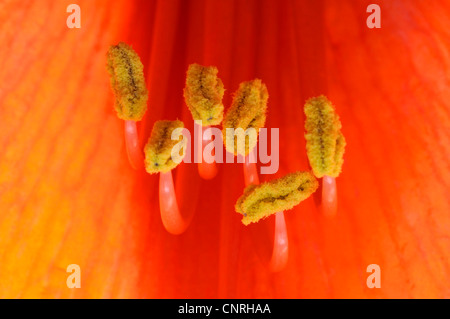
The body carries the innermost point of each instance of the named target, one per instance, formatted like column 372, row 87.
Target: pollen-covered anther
column 325, row 144
column 247, row 114
column 281, row 194
column 160, row 147
column 127, row 81
column 203, row 94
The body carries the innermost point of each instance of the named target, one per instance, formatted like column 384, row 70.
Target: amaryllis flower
column 69, row 196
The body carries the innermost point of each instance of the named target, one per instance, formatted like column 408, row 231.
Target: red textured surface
column 68, row 194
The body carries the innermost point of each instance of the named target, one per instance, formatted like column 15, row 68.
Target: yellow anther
column 325, row 143
column 127, row 81
column 160, row 147
column 247, row 111
column 281, row 194
column 203, row 94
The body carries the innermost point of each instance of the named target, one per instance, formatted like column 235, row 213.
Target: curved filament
column 250, row 171
column 280, row 244
column 207, row 168
column 170, row 214
column 135, row 156
column 329, row 196
column 280, row 250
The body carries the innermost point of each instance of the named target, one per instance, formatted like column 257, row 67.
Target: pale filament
column 280, row 250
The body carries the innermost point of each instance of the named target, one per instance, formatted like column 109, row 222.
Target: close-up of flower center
column 224, row 149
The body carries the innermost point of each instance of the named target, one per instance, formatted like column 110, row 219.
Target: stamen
column 329, row 196
column 248, row 110
column 131, row 95
column 282, row 194
column 203, row 94
column 206, row 170
column 128, row 82
column 325, row 146
column 250, row 171
column 134, row 151
column 171, row 218
column 160, row 147
column 159, row 159
column 280, row 250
